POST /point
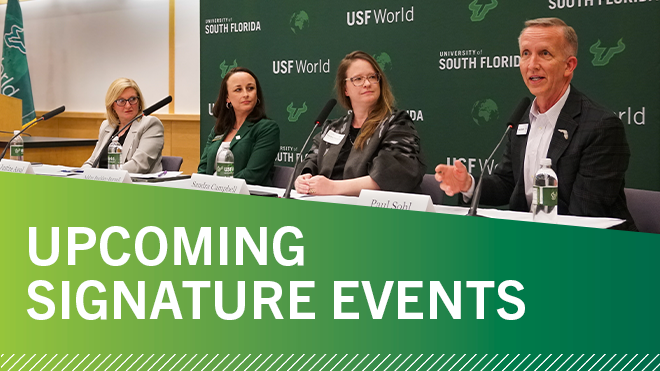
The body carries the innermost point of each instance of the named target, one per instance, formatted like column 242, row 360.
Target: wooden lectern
column 10, row 113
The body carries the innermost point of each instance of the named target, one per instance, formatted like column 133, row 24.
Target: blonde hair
column 114, row 91
column 383, row 107
column 570, row 36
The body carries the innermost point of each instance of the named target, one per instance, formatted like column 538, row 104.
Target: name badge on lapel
column 522, row 129
column 333, row 137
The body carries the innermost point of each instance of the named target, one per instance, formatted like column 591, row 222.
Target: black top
column 338, row 169
column 103, row 160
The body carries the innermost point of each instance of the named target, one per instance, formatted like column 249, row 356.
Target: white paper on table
column 576, row 221
column 52, row 170
column 169, row 174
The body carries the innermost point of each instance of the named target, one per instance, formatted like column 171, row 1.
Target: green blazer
column 254, row 146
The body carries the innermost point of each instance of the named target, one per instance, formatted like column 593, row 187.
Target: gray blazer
column 391, row 157
column 143, row 147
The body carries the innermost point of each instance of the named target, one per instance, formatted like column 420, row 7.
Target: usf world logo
column 13, row 39
column 480, row 8
column 225, row 68
column 603, row 55
column 294, row 113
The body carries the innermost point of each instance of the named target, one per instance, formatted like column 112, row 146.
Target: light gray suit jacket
column 143, row 147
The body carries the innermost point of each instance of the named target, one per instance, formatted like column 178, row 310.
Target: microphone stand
column 26, row 126
column 287, row 193
column 477, row 190
column 98, row 158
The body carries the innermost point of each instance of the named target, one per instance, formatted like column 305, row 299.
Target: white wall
column 187, row 56
column 76, row 48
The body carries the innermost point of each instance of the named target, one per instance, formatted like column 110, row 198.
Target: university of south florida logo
column 299, row 21
column 13, row 39
column 480, row 8
column 294, row 113
column 602, row 55
column 224, row 68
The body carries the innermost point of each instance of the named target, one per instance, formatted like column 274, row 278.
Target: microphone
column 325, row 112
column 156, row 106
column 30, row 124
column 146, row 112
column 513, row 120
column 52, row 113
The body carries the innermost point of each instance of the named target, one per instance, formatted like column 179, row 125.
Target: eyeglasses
column 121, row 102
column 359, row 80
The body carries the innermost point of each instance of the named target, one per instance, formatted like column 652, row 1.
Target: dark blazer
column 590, row 165
column 391, row 157
column 254, row 146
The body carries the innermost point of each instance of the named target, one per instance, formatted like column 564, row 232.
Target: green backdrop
column 446, row 62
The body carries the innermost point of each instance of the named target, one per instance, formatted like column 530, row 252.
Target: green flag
column 14, row 73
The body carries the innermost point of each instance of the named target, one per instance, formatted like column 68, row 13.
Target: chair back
column 431, row 187
column 281, row 176
column 172, row 163
column 644, row 206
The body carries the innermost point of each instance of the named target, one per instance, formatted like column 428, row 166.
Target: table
column 53, row 150
column 570, row 220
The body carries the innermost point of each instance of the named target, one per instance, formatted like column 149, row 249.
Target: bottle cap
column 546, row 162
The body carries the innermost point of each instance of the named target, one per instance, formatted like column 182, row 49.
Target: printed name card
column 13, row 166
column 105, row 175
column 218, row 184
column 395, row 200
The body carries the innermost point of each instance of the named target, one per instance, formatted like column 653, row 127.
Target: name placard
column 395, row 200
column 214, row 183
column 13, row 166
column 105, row 175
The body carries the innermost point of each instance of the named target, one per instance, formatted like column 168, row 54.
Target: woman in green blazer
column 241, row 120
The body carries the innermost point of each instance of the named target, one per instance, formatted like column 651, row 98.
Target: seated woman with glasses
column 375, row 146
column 142, row 141
column 242, row 126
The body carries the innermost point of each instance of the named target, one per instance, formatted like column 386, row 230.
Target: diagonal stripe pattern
column 328, row 362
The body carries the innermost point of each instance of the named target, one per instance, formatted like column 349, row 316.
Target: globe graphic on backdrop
column 384, row 61
column 485, row 111
column 299, row 21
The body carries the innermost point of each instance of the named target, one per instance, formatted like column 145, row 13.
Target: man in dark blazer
column 586, row 142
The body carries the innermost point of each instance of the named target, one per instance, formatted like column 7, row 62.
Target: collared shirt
column 541, row 129
column 542, row 126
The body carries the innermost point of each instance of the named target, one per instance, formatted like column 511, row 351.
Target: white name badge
column 105, row 175
column 333, row 137
column 395, row 200
column 522, row 129
column 13, row 166
column 214, row 183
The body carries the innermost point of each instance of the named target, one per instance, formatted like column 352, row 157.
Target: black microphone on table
column 46, row 116
column 319, row 121
column 515, row 118
column 146, row 112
